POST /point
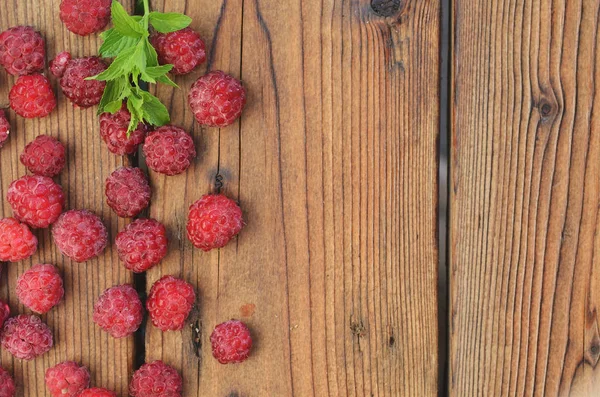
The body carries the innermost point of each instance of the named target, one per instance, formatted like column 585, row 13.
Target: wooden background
column 335, row 164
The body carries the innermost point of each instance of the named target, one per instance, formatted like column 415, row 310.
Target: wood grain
column 524, row 200
column 334, row 163
column 89, row 163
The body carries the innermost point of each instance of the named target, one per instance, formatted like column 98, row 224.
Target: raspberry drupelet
column 142, row 244
column 169, row 150
column 127, row 191
column 36, row 200
column 7, row 384
column 80, row 235
column 32, row 96
column 213, row 221
column 73, row 74
column 67, row 379
column 184, row 49
column 217, row 99
column 26, row 337
column 231, row 342
column 113, row 130
column 84, row 17
column 40, row 288
column 169, row 303
column 119, row 311
column 156, row 379
column 22, row 50
column 44, row 156
column 4, row 128
column 16, row 241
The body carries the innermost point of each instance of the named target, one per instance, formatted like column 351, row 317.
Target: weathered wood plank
column 89, row 163
column 524, row 198
column 335, row 165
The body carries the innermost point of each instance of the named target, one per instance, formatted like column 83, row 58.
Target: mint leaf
column 125, row 24
column 115, row 91
column 157, row 71
column 154, row 112
column 169, row 22
column 120, row 66
column 151, row 55
column 166, row 80
column 115, row 42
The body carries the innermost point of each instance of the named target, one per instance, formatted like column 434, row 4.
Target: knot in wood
column 385, row 8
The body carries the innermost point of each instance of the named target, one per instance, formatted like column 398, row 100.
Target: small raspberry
column 156, row 379
column 142, row 244
column 4, row 128
column 4, row 313
column 127, row 191
column 40, row 288
column 97, row 392
column 16, row 241
column 184, row 49
column 22, row 50
column 170, row 302
column 169, row 150
column 67, row 379
column 36, row 200
column 26, row 337
column 113, row 130
column 59, row 63
column 231, row 342
column 83, row 93
column 84, row 17
column 7, row 384
column 217, row 99
column 213, row 221
column 80, row 235
column 44, row 156
column 32, row 96
column 118, row 311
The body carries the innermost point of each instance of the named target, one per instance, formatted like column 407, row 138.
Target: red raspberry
column 84, row 17
column 231, row 342
column 127, row 191
column 142, row 244
column 40, row 288
column 67, row 379
column 97, row 392
column 170, row 302
column 156, row 379
column 32, row 96
column 184, row 49
column 7, row 384
column 169, row 150
column 44, row 156
column 26, row 337
column 22, row 50
column 4, row 314
column 58, row 65
column 217, row 99
column 4, row 128
column 113, row 130
column 213, row 221
column 80, row 235
column 118, row 311
column 83, row 93
column 36, row 200
column 16, row 241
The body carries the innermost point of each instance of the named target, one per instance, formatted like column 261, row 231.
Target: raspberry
column 67, row 379
column 156, row 379
column 26, row 337
column 184, row 49
column 4, row 128
column 97, row 392
column 36, row 200
column 231, row 342
column 22, row 50
column 169, row 150
column 58, row 65
column 170, row 302
column 16, row 241
column 217, row 99
column 7, row 384
column 83, row 93
column 44, row 156
column 118, row 311
column 32, row 96
column 40, row 288
column 113, row 130
column 213, row 221
column 84, row 17
column 127, row 191
column 4, row 313
column 142, row 244
column 80, row 235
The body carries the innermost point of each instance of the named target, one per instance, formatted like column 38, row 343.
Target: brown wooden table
column 335, row 163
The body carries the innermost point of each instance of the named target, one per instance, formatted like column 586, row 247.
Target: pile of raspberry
column 38, row 201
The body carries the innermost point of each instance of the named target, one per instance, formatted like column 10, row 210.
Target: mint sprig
column 136, row 61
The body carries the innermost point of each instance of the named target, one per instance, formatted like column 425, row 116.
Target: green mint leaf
column 169, row 22
column 151, row 55
column 157, row 71
column 154, row 112
column 166, row 80
column 125, row 24
column 120, row 66
column 115, row 42
column 134, row 105
column 113, row 106
column 113, row 92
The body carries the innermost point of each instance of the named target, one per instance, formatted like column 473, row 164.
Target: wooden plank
column 335, row 165
column 89, row 163
column 524, row 198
